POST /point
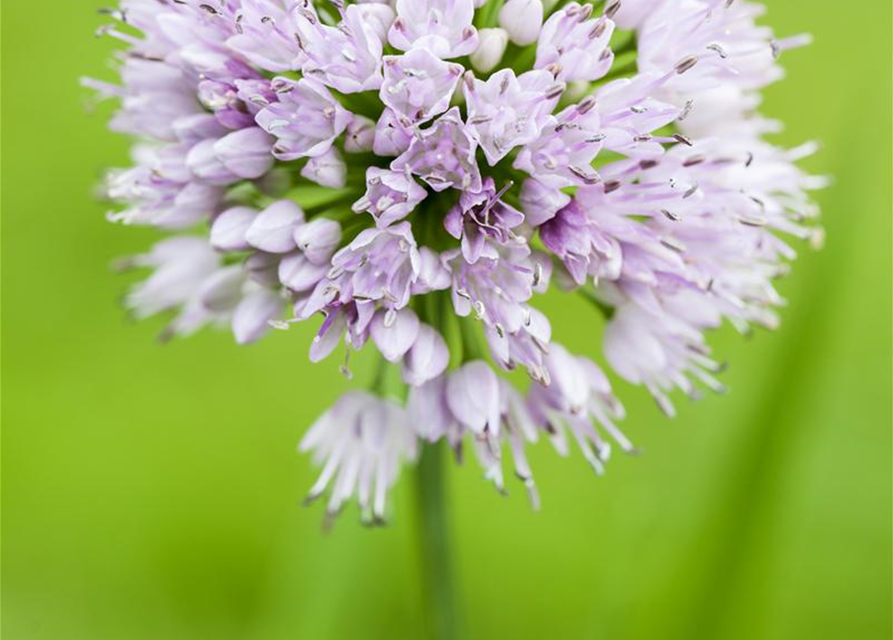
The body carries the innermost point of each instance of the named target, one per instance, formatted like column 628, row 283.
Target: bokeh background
column 153, row 491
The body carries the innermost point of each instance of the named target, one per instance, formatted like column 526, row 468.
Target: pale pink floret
column 442, row 27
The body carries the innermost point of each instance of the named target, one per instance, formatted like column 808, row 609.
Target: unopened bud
column 522, row 19
column 491, row 46
column 327, row 170
column 318, row 239
column 360, row 135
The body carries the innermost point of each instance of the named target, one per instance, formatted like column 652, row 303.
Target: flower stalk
column 442, row 617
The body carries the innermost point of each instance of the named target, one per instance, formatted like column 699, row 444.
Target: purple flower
column 430, row 411
column 661, row 351
column 154, row 97
column 360, row 135
column 562, row 156
column 318, row 239
column 361, row 443
column 442, row 27
column 577, row 399
column 394, row 332
column 443, row 155
column 327, row 170
column 594, row 239
column 479, row 216
column 630, row 114
column 473, row 397
column 273, row 229
column 263, row 126
column 254, row 313
column 346, row 57
column 583, row 250
column 288, row 252
column 161, row 191
column 575, row 44
column 298, row 273
column 433, row 275
column 264, row 34
column 496, row 291
column 245, row 153
column 507, row 111
column 228, row 103
column 378, row 16
column 306, row 120
column 379, row 265
column 390, row 195
column 181, row 264
column 631, row 14
column 229, row 229
column 427, row 358
column 491, row 48
column 204, row 165
column 540, row 203
column 391, row 137
column 418, row 85
column 188, row 277
column 728, row 49
column 522, row 20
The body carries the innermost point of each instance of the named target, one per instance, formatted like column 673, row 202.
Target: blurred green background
column 153, row 492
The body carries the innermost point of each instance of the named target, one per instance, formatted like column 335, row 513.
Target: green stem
column 442, row 621
column 380, row 379
column 488, row 15
column 471, row 346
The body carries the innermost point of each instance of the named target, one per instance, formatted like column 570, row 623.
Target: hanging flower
column 616, row 152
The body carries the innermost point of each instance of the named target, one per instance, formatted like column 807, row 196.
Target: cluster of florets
column 419, row 169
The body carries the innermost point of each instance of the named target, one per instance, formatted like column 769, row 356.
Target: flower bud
column 327, row 170
column 222, row 290
column 318, row 239
column 263, row 268
column 540, row 202
column 427, row 358
column 522, row 19
column 490, row 49
column 229, row 229
column 273, row 228
column 204, row 164
column 379, row 16
column 246, row 152
column 391, row 137
column 251, row 318
column 394, row 332
column 360, row 135
column 433, row 276
column 299, row 274
column 473, row 397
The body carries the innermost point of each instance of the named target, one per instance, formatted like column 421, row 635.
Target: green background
column 152, row 492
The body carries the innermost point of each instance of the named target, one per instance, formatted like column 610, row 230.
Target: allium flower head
column 398, row 173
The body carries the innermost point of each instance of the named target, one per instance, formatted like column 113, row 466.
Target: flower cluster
column 411, row 170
